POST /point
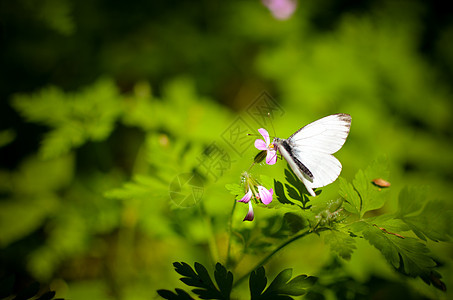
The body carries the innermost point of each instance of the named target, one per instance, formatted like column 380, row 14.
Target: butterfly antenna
column 272, row 123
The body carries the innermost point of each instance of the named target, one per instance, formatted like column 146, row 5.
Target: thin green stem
column 269, row 256
column 230, row 226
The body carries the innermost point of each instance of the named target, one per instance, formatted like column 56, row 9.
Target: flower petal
column 265, row 195
column 260, row 145
column 250, row 214
column 246, row 197
column 271, row 157
column 265, row 135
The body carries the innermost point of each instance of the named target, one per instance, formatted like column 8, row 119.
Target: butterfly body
column 309, row 150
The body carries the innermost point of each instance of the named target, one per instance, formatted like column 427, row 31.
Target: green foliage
column 26, row 187
column 236, row 190
column 93, row 214
column 56, row 14
column 75, row 118
column 427, row 219
column 282, row 287
column 408, row 255
column 362, row 195
column 28, row 292
column 341, row 243
column 6, row 137
column 200, row 278
column 295, row 190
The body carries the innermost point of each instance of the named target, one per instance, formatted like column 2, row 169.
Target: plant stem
column 269, row 256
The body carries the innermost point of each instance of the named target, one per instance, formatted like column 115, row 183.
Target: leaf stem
column 269, row 256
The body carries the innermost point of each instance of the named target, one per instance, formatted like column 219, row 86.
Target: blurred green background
column 104, row 103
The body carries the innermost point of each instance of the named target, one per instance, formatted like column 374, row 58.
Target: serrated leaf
column 371, row 195
column 75, row 118
column 28, row 292
column 235, row 189
column 280, row 280
column 411, row 201
column 353, row 203
column 280, row 192
column 179, row 295
column 257, row 282
column 47, row 296
column 295, row 190
column 426, row 218
column 200, row 278
column 292, row 179
column 281, row 287
column 224, row 279
column 408, row 255
column 293, row 193
column 341, row 243
column 362, row 195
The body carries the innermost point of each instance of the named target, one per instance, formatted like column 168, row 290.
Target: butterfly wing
column 314, row 144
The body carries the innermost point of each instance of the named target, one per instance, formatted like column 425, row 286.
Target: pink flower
column 250, row 214
column 271, row 157
column 247, row 197
column 263, row 194
column 281, row 9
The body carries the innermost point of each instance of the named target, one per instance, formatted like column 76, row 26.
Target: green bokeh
column 105, row 103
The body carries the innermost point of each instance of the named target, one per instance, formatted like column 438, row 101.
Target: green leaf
column 353, row 203
column 282, row 287
column 200, row 278
column 372, row 196
column 298, row 190
column 6, row 137
column 260, row 156
column 28, row 292
column 257, row 282
column 47, row 296
column 341, row 243
column 142, row 187
column 434, row 220
column 235, row 189
column 21, row 216
column 179, row 295
column 280, row 192
column 408, row 255
column 295, row 189
column 224, row 279
column 362, row 195
column 75, row 118
column 411, row 200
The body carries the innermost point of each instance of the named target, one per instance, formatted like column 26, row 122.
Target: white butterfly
column 309, row 150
